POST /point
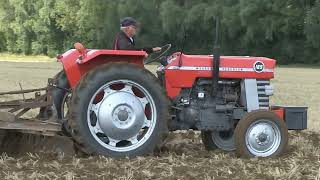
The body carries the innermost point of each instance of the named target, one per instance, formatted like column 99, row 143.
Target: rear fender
column 77, row 65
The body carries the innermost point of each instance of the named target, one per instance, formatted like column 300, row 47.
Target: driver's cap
column 128, row 21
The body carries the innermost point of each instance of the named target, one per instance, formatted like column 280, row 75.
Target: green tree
column 285, row 30
column 312, row 29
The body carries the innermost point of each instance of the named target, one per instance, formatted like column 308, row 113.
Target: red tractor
column 110, row 104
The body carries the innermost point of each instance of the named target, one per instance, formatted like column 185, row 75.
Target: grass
column 311, row 66
column 299, row 87
column 24, row 58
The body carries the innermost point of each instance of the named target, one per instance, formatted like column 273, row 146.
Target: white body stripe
column 222, row 69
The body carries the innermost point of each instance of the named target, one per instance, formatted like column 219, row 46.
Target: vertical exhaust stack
column 215, row 61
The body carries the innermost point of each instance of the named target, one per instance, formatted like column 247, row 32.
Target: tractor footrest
column 32, row 126
column 294, row 116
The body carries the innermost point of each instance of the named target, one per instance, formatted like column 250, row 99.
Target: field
column 183, row 156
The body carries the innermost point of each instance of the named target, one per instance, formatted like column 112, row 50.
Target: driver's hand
column 155, row 49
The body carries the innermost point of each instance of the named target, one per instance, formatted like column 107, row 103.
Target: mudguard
column 77, row 64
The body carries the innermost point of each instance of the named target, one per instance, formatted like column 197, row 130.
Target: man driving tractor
column 124, row 40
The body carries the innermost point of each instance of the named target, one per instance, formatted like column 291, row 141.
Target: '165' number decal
column 258, row 66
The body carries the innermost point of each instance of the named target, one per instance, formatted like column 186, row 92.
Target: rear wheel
column 119, row 110
column 261, row 134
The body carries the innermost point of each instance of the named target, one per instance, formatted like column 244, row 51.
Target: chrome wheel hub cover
column 120, row 115
column 263, row 138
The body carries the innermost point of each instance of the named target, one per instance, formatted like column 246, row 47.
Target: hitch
column 52, row 84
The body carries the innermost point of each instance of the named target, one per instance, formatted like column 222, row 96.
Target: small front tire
column 261, row 134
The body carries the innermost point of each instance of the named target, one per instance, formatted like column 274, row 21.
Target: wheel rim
column 121, row 115
column 224, row 140
column 263, row 138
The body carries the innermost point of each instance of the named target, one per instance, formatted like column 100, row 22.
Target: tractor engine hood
column 238, row 67
column 183, row 70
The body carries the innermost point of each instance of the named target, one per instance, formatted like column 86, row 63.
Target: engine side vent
column 264, row 88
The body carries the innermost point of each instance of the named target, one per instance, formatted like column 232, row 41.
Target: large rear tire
column 261, row 134
column 119, row 110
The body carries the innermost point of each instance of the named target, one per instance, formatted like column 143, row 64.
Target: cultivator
column 12, row 111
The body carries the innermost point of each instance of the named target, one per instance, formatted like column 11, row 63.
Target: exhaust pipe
column 215, row 61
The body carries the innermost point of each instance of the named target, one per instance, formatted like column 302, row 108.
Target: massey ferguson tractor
column 110, row 104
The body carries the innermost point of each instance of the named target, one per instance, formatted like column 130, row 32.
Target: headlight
column 269, row 90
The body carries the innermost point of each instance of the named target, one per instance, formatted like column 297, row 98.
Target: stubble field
column 183, row 156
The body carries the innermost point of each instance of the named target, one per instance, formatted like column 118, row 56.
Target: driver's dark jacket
column 123, row 42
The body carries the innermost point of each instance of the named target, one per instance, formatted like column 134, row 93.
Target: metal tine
column 24, row 98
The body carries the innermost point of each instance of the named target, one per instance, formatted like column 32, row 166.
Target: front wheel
column 261, row 134
column 218, row 139
column 119, row 110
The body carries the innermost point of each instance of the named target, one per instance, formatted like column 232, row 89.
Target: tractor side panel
column 75, row 70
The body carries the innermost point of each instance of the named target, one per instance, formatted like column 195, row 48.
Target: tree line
column 287, row 30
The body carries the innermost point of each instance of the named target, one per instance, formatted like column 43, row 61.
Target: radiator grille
column 262, row 96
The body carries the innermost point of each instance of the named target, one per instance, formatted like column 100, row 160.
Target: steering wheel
column 158, row 54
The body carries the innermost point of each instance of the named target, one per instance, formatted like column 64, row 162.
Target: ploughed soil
column 182, row 157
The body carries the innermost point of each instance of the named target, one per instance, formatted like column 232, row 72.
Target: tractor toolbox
column 294, row 116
